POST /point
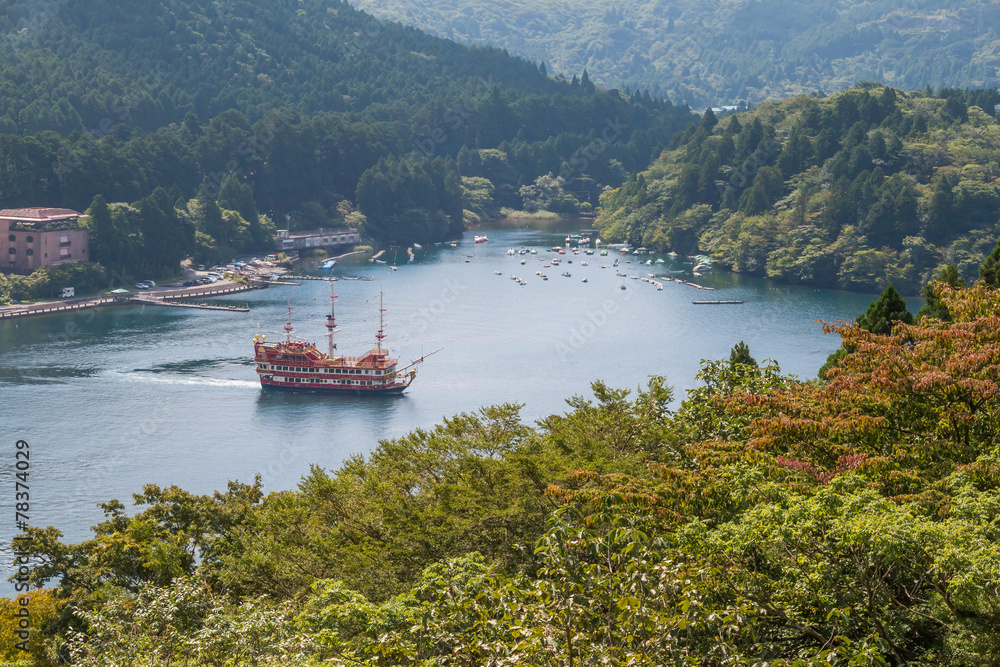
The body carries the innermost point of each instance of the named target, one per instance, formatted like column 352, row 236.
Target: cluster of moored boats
column 649, row 278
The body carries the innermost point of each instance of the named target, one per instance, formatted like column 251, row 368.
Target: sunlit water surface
column 113, row 399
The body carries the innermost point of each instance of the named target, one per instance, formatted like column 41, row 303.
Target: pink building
column 31, row 238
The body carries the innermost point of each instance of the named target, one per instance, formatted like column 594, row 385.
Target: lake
column 116, row 398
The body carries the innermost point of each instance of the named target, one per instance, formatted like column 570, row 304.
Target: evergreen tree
column 882, row 312
column 989, row 272
column 708, row 121
column 934, row 307
column 740, row 354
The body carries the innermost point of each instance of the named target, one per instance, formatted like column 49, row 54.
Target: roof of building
column 39, row 214
column 309, row 232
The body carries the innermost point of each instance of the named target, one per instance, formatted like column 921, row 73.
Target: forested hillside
column 293, row 101
column 706, row 53
column 844, row 521
column 855, row 190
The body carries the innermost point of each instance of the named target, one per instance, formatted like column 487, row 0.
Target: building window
column 63, row 240
column 12, row 251
column 11, row 238
column 29, row 239
column 29, row 251
column 63, row 253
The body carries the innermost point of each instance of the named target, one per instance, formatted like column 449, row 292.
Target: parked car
column 141, row 286
column 201, row 267
column 150, row 283
column 188, row 283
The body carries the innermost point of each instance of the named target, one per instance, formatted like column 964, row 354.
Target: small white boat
column 393, row 268
column 418, row 246
column 498, row 273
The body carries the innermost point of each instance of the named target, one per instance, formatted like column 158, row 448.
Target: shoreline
column 68, row 305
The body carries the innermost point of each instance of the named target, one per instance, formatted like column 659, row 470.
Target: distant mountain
column 852, row 191
column 720, row 52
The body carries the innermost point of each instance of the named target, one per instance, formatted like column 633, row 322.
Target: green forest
column 855, row 191
column 710, row 53
column 763, row 519
column 298, row 113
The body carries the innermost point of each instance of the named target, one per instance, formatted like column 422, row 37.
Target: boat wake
column 146, row 378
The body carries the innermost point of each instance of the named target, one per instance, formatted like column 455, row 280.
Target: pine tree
column 882, row 312
column 708, row 121
column 989, row 272
column 934, row 307
column 740, row 354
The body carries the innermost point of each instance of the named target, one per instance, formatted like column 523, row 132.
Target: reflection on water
column 115, row 398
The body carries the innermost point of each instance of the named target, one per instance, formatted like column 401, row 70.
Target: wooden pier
column 714, row 302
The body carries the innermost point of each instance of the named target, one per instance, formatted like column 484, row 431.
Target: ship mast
column 288, row 324
column 380, row 336
column 331, row 323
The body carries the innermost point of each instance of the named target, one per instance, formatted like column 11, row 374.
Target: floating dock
column 714, row 302
column 202, row 306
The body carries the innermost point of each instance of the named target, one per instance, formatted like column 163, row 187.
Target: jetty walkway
column 159, row 297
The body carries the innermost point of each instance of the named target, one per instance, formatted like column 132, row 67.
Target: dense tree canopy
column 764, row 519
column 857, row 190
column 282, row 111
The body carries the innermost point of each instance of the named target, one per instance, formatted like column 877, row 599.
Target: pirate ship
column 297, row 365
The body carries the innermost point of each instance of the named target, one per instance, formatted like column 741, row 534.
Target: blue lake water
column 113, row 399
